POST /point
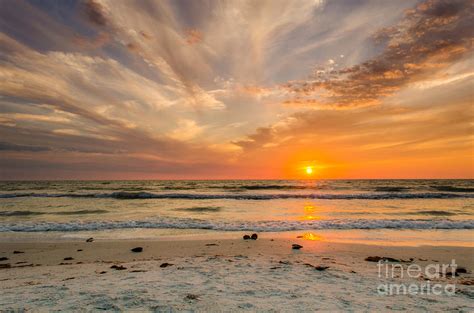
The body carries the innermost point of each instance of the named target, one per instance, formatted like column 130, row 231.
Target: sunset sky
column 236, row 89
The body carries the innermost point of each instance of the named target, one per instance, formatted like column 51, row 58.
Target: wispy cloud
column 225, row 88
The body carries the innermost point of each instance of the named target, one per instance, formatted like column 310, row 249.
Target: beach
column 173, row 246
column 212, row 274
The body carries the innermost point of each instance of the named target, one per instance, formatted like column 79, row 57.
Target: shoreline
column 373, row 237
column 100, row 249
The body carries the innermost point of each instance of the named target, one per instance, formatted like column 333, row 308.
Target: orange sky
column 236, row 89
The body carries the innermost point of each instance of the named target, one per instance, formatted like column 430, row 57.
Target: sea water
column 441, row 209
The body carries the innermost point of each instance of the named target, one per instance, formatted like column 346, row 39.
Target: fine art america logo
column 430, row 273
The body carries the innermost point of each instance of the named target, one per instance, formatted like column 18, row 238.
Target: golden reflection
column 309, row 213
column 311, row 236
column 309, row 209
column 310, row 217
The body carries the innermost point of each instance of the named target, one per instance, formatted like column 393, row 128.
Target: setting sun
column 309, row 170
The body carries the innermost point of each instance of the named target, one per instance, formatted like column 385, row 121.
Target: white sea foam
column 261, row 226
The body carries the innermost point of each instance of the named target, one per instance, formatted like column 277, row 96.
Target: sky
column 112, row 89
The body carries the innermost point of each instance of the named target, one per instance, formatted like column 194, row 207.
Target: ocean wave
column 391, row 189
column 200, row 209
column 20, row 213
column 452, row 189
column 269, row 187
column 123, row 195
column 30, row 213
column 260, row 226
column 435, row 213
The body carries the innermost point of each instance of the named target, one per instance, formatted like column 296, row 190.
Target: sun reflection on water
column 311, row 236
column 309, row 213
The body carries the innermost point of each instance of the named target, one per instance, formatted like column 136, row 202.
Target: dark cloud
column 95, row 12
column 5, row 146
column 431, row 36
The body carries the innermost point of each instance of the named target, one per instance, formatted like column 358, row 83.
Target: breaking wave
column 123, row 195
column 260, row 226
column 32, row 213
column 200, row 209
column 453, row 189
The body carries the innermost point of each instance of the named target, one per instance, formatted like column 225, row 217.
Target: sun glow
column 309, row 170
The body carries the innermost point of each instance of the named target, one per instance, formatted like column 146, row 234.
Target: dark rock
column 118, row 267
column 296, row 246
column 5, row 265
column 90, row 239
column 285, row 262
column 246, row 237
column 137, row 249
column 449, row 274
column 17, row 252
column 103, row 272
column 379, row 258
column 373, row 258
column 211, row 244
column 191, row 296
column 68, row 258
column 138, row 271
column 166, row 264
column 254, row 237
column 79, row 250
column 459, row 270
column 299, row 236
column 3, row 258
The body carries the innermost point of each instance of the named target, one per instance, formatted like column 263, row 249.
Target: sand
column 219, row 275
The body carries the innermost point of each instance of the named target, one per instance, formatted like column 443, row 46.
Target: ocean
column 444, row 208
